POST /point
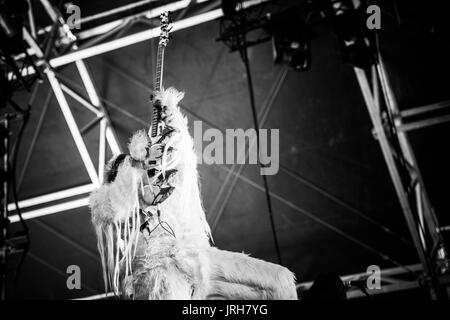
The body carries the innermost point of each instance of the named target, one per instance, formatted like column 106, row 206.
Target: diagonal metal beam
column 320, row 221
column 70, row 120
column 388, row 282
column 263, row 116
column 343, row 203
column 34, row 139
column 56, row 270
column 64, row 106
column 68, row 240
column 61, row 207
column 96, row 101
column 80, row 99
column 186, row 9
column 107, row 102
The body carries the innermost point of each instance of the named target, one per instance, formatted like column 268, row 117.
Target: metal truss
column 404, row 124
column 107, row 135
column 390, row 127
column 423, row 225
column 94, row 104
column 391, row 280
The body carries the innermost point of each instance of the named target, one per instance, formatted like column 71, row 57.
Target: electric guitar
column 157, row 125
column 157, row 128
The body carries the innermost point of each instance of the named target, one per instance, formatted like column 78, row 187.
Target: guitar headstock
column 165, row 29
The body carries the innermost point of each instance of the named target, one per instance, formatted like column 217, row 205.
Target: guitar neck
column 157, row 86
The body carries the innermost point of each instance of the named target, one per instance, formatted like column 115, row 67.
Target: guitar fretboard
column 157, row 86
column 159, row 69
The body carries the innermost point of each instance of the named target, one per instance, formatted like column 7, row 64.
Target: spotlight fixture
column 293, row 52
column 11, row 24
column 12, row 45
column 229, row 7
column 355, row 39
column 291, row 40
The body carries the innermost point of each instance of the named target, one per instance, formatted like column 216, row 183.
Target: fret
column 159, row 66
column 157, row 86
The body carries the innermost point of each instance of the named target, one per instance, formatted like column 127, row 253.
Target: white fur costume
column 172, row 258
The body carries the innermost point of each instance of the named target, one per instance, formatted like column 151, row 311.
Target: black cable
column 10, row 170
column 161, row 224
column 13, row 165
column 244, row 56
column 14, row 192
column 168, row 229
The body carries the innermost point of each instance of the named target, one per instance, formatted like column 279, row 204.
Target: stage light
column 11, row 45
column 355, row 38
column 301, row 59
column 11, row 24
column 11, row 19
column 6, row 89
column 229, row 7
column 290, row 41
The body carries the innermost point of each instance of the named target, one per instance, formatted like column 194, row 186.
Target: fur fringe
column 115, row 215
